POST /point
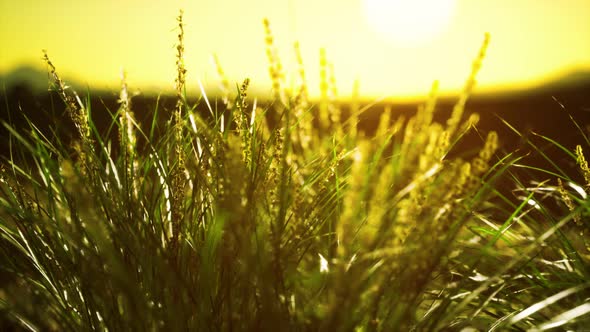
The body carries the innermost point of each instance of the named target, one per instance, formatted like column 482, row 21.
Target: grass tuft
column 285, row 216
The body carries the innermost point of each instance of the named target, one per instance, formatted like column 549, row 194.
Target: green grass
column 284, row 217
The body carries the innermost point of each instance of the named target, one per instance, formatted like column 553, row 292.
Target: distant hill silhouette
column 37, row 80
column 34, row 78
column 546, row 109
column 570, row 80
column 29, row 77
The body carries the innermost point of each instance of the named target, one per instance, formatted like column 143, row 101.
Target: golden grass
column 283, row 215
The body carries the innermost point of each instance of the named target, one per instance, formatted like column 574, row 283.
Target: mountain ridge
column 37, row 80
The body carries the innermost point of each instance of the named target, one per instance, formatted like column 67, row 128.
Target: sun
column 409, row 22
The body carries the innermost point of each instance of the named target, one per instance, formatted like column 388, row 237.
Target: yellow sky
column 92, row 40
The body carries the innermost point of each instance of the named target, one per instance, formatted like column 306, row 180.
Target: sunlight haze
column 91, row 41
column 409, row 22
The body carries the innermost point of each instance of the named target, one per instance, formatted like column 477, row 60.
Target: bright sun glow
column 409, row 22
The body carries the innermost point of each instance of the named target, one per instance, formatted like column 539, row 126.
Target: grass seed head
column 127, row 135
column 567, row 200
column 459, row 107
column 583, row 164
column 78, row 114
column 275, row 67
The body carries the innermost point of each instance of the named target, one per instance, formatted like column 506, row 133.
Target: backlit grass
column 286, row 216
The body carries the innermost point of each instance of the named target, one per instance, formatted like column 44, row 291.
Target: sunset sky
column 90, row 41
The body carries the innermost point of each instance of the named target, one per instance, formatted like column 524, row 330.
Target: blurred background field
column 547, row 108
column 538, row 61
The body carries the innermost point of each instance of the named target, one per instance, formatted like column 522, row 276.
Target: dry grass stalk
column 583, row 164
column 179, row 180
column 275, row 67
column 78, row 114
column 459, row 107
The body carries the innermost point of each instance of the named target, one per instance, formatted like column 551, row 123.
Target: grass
column 285, row 217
